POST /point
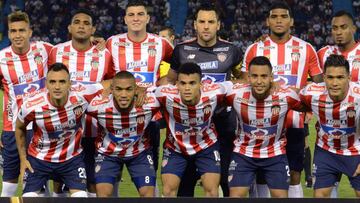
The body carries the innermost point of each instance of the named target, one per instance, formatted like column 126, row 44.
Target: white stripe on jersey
column 338, row 122
column 124, row 131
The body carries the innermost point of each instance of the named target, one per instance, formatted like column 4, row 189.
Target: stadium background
column 242, row 23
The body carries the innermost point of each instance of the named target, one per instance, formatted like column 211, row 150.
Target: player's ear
column 69, row 28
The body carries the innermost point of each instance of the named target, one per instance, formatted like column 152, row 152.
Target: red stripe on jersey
column 124, row 116
column 274, row 121
column 351, row 122
column 137, row 54
column 64, row 119
column 259, row 115
column 355, row 70
column 151, row 58
column 11, row 68
column 295, row 63
column 110, row 126
column 322, row 112
column 140, row 128
column 25, row 66
column 66, row 57
column 94, row 70
column 281, row 57
column 50, row 128
column 336, row 116
column 80, row 65
column 177, row 118
column 245, row 118
column 122, row 54
column 266, row 51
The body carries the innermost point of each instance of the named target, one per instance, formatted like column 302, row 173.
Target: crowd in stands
column 243, row 21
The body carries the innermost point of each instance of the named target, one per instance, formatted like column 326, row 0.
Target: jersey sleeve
column 48, row 47
column 25, row 115
column 248, row 56
column 313, row 61
column 305, row 96
column 52, row 56
column 321, row 54
column 88, row 91
column 109, row 66
column 293, row 99
column 167, row 50
column 175, row 59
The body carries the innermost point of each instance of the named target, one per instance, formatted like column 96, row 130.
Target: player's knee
column 79, row 194
column 169, row 191
column 147, row 191
column 30, row 194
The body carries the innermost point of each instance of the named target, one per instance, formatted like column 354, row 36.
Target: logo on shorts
column 164, row 162
column 230, row 177
column 97, row 168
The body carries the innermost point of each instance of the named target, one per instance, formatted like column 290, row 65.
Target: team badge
column 356, row 64
column 221, row 57
column 350, row 113
column 152, row 52
column 140, row 119
column 295, row 56
column 95, row 65
column 275, row 110
column 38, row 59
column 207, row 110
column 78, row 110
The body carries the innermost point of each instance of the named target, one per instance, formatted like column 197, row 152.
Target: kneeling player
column 260, row 145
column 125, row 140
column 55, row 148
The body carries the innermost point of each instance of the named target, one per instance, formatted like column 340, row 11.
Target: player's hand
column 140, row 96
column 262, row 38
column 357, row 171
column 99, row 42
column 275, row 86
column 106, row 92
column 25, row 164
column 1, row 144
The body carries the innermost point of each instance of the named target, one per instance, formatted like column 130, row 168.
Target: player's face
column 19, row 35
column 123, row 91
column 166, row 34
column 342, row 30
column 260, row 78
column 337, row 82
column 189, row 88
column 206, row 26
column 279, row 21
column 136, row 18
column 81, row 27
column 58, row 85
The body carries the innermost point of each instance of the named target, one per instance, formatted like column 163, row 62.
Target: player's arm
column 20, row 135
column 318, row 78
column 172, row 76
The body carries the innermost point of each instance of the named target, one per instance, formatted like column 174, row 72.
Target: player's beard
column 280, row 35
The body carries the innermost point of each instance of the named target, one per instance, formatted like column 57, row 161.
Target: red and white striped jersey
column 140, row 58
column 190, row 128
column 261, row 130
column 338, row 122
column 123, row 131
column 22, row 76
column 292, row 62
column 57, row 131
column 89, row 66
column 353, row 56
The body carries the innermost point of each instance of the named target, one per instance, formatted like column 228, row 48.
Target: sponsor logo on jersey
column 97, row 102
column 191, row 56
column 78, row 88
column 281, row 68
column 30, row 89
column 150, row 44
column 210, row 87
column 286, row 79
column 336, row 122
column 124, row 141
column 34, row 74
column 209, row 65
column 316, row 88
column 262, row 121
column 219, row 49
column 337, row 133
column 190, row 130
column 136, row 64
column 144, row 79
column 294, row 47
column 80, row 74
column 213, row 77
column 266, row 47
column 65, row 53
column 121, row 44
column 190, row 48
column 169, row 90
column 263, row 133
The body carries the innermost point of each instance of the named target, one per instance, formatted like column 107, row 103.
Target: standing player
column 124, row 141
column 87, row 65
column 335, row 103
column 191, row 135
column 218, row 59
column 260, row 145
column 55, row 148
column 141, row 53
column 292, row 60
column 23, row 66
column 167, row 33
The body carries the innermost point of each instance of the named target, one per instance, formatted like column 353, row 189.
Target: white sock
column 30, row 194
column 263, row 191
column 295, row 191
column 253, row 190
column 157, row 191
column 63, row 194
column 8, row 189
column 334, row 191
column 79, row 194
column 221, row 193
column 91, row 194
column 116, row 189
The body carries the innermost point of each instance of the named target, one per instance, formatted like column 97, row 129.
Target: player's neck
column 347, row 47
column 206, row 44
column 280, row 39
column 58, row 102
column 22, row 50
column 137, row 36
column 80, row 45
column 261, row 96
column 123, row 110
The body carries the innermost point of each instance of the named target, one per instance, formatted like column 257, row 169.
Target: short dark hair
column 83, row 11
column 56, row 67
column 335, row 60
column 260, row 60
column 17, row 16
column 133, row 3
column 169, row 29
column 280, row 5
column 124, row 75
column 190, row 68
column 207, row 7
column 344, row 13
